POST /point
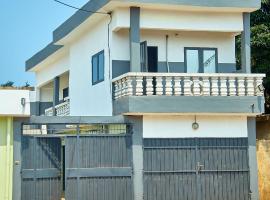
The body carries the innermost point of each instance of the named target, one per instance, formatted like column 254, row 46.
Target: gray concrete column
column 17, row 159
column 253, row 167
column 245, row 45
column 56, row 85
column 137, row 154
column 134, row 40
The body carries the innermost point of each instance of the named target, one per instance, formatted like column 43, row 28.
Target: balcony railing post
column 196, row 86
column 223, row 86
column 116, row 90
column 206, row 86
column 129, row 86
column 168, row 89
column 232, row 86
column 215, row 86
column 139, row 85
column 250, row 86
column 187, row 86
column 241, row 86
column 149, row 86
column 259, row 87
column 159, row 85
column 177, row 86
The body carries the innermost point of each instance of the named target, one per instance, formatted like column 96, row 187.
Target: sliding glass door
column 201, row 60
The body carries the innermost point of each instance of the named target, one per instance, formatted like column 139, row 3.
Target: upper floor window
column 98, row 68
column 201, row 60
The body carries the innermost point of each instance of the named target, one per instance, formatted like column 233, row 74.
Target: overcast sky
column 26, row 27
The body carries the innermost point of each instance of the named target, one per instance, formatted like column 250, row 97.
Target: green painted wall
column 6, row 157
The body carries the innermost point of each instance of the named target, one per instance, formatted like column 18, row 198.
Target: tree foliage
column 8, row 84
column 260, row 45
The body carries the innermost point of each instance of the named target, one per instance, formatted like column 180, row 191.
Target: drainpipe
column 167, row 62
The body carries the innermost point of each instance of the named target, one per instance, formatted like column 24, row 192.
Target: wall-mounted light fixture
column 195, row 125
column 23, row 101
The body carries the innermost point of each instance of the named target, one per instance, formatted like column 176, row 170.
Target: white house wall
column 48, row 73
column 181, row 126
column 10, row 102
column 88, row 99
column 46, row 94
column 182, row 20
column 225, row 42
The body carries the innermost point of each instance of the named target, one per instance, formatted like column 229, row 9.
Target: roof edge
column 41, row 55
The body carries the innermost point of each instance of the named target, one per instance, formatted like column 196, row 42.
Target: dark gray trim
column 251, row 125
column 134, row 40
column 245, row 45
column 99, row 172
column 38, row 108
column 17, row 159
column 200, row 52
column 77, row 120
column 56, row 86
column 207, row 3
column 188, row 104
column 41, row 55
column 137, row 155
column 227, row 67
column 120, row 67
column 40, row 173
column 175, row 67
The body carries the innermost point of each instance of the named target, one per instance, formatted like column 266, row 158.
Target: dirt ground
column 263, row 157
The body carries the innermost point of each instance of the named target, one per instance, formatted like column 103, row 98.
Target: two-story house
column 169, row 68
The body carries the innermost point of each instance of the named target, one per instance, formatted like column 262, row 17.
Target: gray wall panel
column 188, row 104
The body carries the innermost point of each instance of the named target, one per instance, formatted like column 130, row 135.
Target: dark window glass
column 98, row 68
column 65, row 93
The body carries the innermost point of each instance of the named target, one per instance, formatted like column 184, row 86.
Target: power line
column 81, row 9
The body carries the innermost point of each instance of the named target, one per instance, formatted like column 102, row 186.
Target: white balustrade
column 49, row 112
column 63, row 109
column 184, row 84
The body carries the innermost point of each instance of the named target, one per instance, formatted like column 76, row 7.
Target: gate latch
column 199, row 167
column 17, row 162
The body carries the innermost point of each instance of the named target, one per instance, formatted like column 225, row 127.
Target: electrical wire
column 81, row 9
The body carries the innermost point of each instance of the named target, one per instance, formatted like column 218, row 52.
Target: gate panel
column 196, row 168
column 41, row 165
column 98, row 168
column 169, row 169
column 224, row 171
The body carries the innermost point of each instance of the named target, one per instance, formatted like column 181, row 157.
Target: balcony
column 177, row 92
column 62, row 109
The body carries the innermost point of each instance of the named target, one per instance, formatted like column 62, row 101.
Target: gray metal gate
column 98, row 167
column 196, row 169
column 41, row 167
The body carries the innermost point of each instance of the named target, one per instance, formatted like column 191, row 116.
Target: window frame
column 200, row 53
column 99, row 80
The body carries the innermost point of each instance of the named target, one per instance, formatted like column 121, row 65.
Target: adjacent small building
column 14, row 105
